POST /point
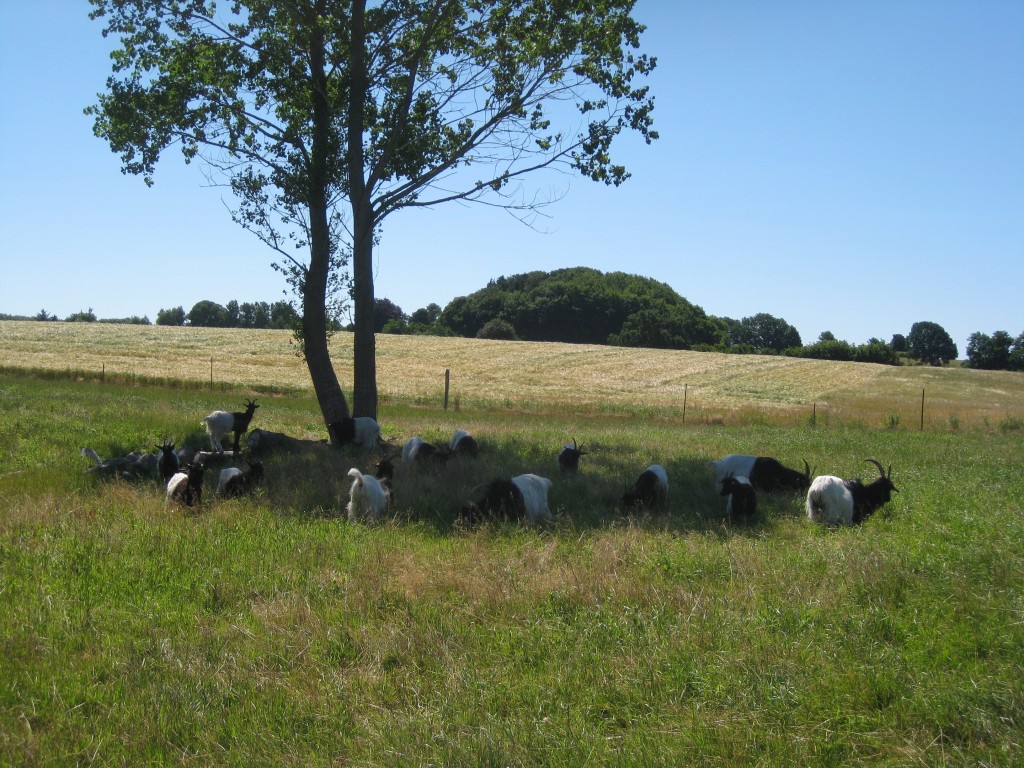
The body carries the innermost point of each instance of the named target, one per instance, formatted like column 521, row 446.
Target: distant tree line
column 210, row 314
column 581, row 305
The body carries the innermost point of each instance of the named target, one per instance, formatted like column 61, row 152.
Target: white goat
column 369, row 496
column 363, row 431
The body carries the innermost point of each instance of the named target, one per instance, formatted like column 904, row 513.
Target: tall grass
column 271, row 631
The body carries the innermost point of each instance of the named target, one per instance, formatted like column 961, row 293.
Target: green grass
column 270, row 631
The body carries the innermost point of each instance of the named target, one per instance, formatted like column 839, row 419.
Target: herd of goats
column 830, row 500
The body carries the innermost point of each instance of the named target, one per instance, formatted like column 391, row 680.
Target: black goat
column 501, row 500
column 649, row 490
column 168, row 463
column 742, row 500
column 569, row 457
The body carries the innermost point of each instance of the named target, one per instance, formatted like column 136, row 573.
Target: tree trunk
column 328, row 390
column 314, row 291
column 364, row 396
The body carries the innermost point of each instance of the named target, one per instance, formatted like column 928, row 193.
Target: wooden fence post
column 211, row 374
column 922, row 409
column 447, row 385
column 685, row 387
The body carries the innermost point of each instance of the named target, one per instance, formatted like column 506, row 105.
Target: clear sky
column 853, row 166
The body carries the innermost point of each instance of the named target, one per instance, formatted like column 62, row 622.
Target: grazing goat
column 134, row 464
column 464, row 444
column 764, row 472
column 186, row 487
column 569, row 457
column 369, row 497
column 419, row 454
column 522, row 497
column 835, row 501
column 649, row 490
column 234, row 483
column 263, row 441
column 168, row 463
column 363, row 431
column 219, row 423
column 741, row 501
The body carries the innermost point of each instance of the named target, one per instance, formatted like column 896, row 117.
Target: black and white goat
column 764, row 472
column 464, row 444
column 369, row 497
column 834, row 501
column 649, row 490
column 419, row 454
column 186, row 487
column 219, row 423
column 524, row 497
column 363, row 431
column 569, row 457
column 234, row 483
column 167, row 463
column 741, row 499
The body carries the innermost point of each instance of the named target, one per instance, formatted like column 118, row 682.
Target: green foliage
column 998, row 352
column 81, row 317
column 499, row 329
column 384, row 312
column 208, row 314
column 174, row 316
column 930, row 343
column 132, row 320
column 584, row 306
column 764, row 332
column 876, row 351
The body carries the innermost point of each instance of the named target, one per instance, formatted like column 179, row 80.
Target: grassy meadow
column 270, row 631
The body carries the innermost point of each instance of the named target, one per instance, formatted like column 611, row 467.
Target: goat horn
column 881, row 469
column 807, row 470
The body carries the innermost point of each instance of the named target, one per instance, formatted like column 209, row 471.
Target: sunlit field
column 533, row 376
column 271, row 631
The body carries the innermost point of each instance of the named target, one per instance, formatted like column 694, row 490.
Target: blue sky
column 847, row 166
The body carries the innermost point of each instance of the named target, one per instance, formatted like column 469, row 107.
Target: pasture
column 271, row 631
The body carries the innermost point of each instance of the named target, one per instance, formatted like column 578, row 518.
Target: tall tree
column 327, row 116
column 763, row 331
column 930, row 343
column 989, row 352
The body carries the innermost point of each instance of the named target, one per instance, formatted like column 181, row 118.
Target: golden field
column 716, row 387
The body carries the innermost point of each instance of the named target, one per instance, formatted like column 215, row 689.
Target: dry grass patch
column 486, row 373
